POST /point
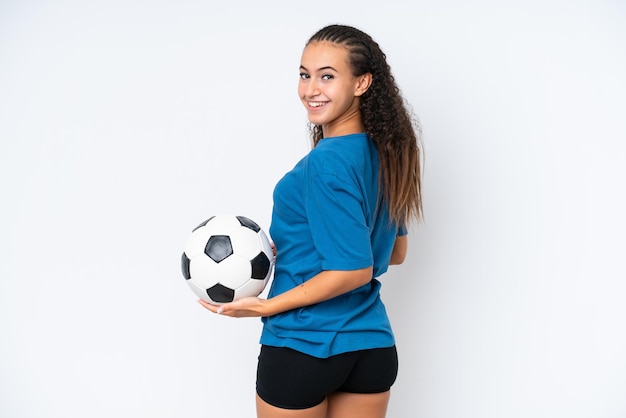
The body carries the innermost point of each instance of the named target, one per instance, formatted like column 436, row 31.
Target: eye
column 304, row 76
column 327, row 77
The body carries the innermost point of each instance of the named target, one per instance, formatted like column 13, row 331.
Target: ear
column 363, row 83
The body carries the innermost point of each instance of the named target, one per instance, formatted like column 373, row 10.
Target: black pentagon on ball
column 184, row 265
column 218, row 247
column 220, row 293
column 248, row 223
column 260, row 266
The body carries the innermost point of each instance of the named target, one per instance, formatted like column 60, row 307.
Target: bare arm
column 325, row 285
column 399, row 250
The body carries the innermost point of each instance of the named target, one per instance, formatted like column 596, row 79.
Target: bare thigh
column 336, row 405
column 357, row 405
column 266, row 410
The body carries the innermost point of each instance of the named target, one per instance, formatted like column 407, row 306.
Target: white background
column 123, row 124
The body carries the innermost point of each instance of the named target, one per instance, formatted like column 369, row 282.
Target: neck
column 349, row 123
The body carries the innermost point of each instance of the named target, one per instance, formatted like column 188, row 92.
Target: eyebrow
column 328, row 67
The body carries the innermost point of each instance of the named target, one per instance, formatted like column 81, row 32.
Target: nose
column 309, row 88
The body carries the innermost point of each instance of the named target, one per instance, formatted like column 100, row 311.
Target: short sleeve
column 337, row 213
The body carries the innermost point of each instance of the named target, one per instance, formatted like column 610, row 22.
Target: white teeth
column 316, row 104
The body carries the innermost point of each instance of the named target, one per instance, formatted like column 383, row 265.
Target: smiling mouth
column 316, row 104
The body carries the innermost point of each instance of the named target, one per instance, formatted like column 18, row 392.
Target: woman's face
column 328, row 90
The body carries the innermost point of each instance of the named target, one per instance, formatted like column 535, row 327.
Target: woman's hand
column 242, row 308
column 323, row 286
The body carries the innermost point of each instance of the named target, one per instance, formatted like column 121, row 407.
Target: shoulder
column 338, row 153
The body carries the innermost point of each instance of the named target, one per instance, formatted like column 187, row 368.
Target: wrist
column 267, row 307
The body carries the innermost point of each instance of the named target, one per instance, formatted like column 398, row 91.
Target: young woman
column 339, row 220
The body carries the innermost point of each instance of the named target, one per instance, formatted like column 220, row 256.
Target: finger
column 226, row 309
column 212, row 308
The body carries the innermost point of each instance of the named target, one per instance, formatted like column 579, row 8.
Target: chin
column 318, row 118
column 315, row 121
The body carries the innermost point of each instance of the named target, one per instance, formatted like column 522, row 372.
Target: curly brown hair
column 387, row 120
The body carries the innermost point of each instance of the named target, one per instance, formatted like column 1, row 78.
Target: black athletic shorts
column 290, row 379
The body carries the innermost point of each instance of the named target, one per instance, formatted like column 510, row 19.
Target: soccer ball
column 227, row 258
